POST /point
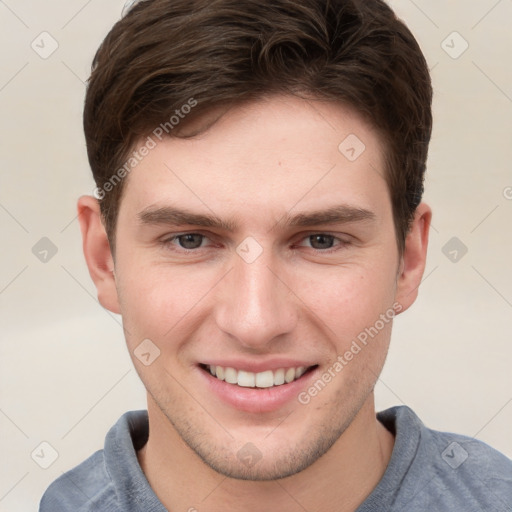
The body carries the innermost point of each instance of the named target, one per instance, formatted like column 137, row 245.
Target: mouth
column 257, row 380
column 257, row 386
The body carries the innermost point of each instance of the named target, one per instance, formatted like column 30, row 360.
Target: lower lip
column 257, row 400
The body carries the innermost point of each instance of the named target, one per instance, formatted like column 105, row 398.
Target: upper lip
column 258, row 366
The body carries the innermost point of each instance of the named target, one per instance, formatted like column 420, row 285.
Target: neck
column 338, row 481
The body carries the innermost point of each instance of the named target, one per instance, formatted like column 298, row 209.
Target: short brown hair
column 165, row 52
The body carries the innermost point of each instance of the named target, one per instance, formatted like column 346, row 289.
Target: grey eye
column 190, row 240
column 321, row 241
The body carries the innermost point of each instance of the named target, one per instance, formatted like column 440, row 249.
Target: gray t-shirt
column 428, row 471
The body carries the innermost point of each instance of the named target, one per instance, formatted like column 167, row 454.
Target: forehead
column 264, row 155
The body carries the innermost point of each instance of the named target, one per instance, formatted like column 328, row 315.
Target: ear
column 97, row 252
column 412, row 264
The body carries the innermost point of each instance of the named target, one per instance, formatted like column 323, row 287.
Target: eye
column 188, row 241
column 323, row 242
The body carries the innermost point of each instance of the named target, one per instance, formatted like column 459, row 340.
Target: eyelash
column 168, row 242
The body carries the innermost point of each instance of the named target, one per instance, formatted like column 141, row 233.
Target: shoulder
column 104, row 481
column 81, row 489
column 469, row 470
column 451, row 471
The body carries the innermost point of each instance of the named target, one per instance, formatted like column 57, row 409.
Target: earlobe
column 97, row 252
column 412, row 265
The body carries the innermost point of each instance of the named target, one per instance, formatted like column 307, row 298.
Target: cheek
column 351, row 299
column 155, row 300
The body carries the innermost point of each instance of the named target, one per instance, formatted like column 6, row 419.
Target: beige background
column 65, row 375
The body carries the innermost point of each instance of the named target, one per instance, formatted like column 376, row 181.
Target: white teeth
column 289, row 375
column 230, row 375
column 246, row 379
column 265, row 379
column 299, row 372
column 279, row 377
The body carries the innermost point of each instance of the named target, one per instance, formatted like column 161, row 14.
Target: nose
column 254, row 305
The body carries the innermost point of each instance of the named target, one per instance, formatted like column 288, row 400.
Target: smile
column 265, row 379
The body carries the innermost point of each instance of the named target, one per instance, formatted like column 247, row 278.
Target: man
column 258, row 224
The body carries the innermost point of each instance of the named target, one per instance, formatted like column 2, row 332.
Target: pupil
column 321, row 241
column 192, row 241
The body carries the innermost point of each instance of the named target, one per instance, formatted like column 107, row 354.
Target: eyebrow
column 341, row 214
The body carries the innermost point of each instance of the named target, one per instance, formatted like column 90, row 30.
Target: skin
column 258, row 165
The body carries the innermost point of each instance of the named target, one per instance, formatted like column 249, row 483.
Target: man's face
column 298, row 258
